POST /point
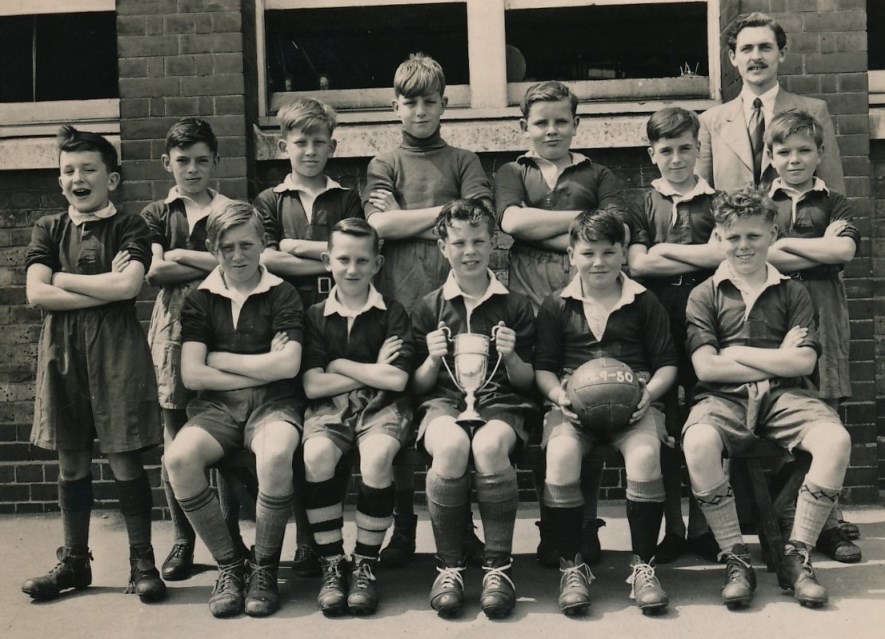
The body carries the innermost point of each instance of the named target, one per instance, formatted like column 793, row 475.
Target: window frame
column 876, row 81
column 486, row 54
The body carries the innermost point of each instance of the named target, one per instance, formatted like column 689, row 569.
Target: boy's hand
column 120, row 262
column 437, row 343
column 505, row 341
column 390, row 350
column 383, row 201
column 560, row 397
column 644, row 403
column 279, row 342
column 794, row 337
column 835, row 228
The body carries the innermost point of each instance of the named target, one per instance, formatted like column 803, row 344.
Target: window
column 58, row 57
column 59, row 61
column 607, row 50
column 876, row 65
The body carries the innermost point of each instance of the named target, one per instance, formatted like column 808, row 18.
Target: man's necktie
column 756, row 129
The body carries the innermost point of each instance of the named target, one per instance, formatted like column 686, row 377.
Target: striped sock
column 325, row 512
column 374, row 515
column 181, row 528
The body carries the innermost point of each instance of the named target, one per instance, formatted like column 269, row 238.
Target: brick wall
column 183, row 57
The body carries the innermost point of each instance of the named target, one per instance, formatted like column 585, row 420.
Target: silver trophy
column 471, row 364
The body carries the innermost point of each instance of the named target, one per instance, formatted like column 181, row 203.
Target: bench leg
column 768, row 527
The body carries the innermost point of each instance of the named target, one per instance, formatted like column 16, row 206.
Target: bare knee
column 274, row 469
column 319, row 459
column 643, row 461
column 490, row 454
column 563, row 460
column 74, row 464
column 450, row 457
column 702, row 446
column 376, row 465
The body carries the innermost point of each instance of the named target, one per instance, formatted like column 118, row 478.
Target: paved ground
column 856, row 609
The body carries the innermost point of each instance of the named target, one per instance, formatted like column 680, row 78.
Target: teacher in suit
column 732, row 152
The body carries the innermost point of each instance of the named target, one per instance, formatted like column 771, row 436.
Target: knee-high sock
column 204, row 513
column 645, row 509
column 591, row 482
column 136, row 504
column 813, row 506
column 718, row 507
column 181, row 527
column 498, row 497
column 325, row 512
column 374, row 514
column 75, row 501
column 565, row 510
column 271, row 517
column 697, row 523
column 672, row 477
column 448, row 502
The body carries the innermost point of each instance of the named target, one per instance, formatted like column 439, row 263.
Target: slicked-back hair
column 70, row 140
column 356, row 227
column 755, row 19
column 597, row 226
column 551, row 91
column 189, row 131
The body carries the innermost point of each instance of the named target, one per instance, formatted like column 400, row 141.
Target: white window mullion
column 486, row 53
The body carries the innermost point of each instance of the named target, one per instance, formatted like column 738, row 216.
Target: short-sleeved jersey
column 584, row 185
column 88, row 249
column 167, row 221
column 326, row 337
column 717, row 316
column 652, row 219
column 637, row 334
column 284, row 216
column 207, row 318
column 511, row 308
column 810, row 214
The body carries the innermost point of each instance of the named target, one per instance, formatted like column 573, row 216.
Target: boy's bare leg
column 180, row 561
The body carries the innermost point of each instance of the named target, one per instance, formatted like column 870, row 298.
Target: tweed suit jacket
column 726, row 160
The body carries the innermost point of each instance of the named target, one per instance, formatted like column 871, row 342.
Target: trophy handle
column 448, row 333
column 495, row 329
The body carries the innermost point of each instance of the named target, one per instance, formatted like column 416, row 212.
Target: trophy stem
column 470, row 417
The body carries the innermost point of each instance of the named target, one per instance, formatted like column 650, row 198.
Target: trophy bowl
column 471, row 355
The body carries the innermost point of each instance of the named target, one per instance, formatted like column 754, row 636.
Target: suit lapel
column 734, row 132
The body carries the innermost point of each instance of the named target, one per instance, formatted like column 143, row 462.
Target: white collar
column 333, row 306
column 629, row 290
column 214, row 283
column 576, row 158
column 102, row 214
column 778, row 184
column 701, row 187
column 288, row 184
column 451, row 290
column 724, row 273
column 175, row 194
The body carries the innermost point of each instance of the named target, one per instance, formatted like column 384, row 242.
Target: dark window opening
column 361, row 47
column 70, row 56
column 609, row 42
column 875, row 34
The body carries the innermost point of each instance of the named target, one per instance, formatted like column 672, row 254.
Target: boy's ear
column 379, row 262
column 327, row 260
column 166, row 160
column 444, row 100
column 113, row 180
column 333, row 144
column 651, row 153
column 577, row 121
column 523, row 125
column 281, row 145
column 394, row 104
column 571, row 255
column 209, row 246
column 441, row 243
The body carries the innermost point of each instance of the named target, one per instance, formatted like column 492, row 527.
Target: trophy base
column 470, row 419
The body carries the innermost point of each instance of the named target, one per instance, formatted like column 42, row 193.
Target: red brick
column 135, row 150
column 130, row 25
column 203, row 64
column 146, row 46
column 196, row 6
column 203, row 23
column 144, row 170
column 158, row 107
column 134, row 108
column 794, row 6
column 843, row 5
column 210, row 43
column 835, row 21
column 179, row 23
column 849, row 82
column 133, row 67
column 230, row 84
column 835, row 62
column 858, row 165
column 847, row 103
column 803, row 43
column 857, row 144
column 147, row 87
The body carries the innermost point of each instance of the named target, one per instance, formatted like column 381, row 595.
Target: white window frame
column 876, row 79
column 488, row 93
column 27, row 129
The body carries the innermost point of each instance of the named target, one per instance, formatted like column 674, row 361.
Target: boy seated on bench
column 752, row 341
column 241, row 348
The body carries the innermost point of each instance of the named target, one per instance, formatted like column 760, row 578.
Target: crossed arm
column 178, row 265
column 344, row 375
column 59, row 291
column 202, row 370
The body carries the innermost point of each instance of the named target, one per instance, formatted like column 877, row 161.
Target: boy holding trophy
column 491, row 329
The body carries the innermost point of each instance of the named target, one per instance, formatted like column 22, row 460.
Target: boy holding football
column 603, row 313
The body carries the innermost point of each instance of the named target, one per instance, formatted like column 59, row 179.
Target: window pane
column 16, row 33
column 608, row 42
column 76, row 56
column 361, row 47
